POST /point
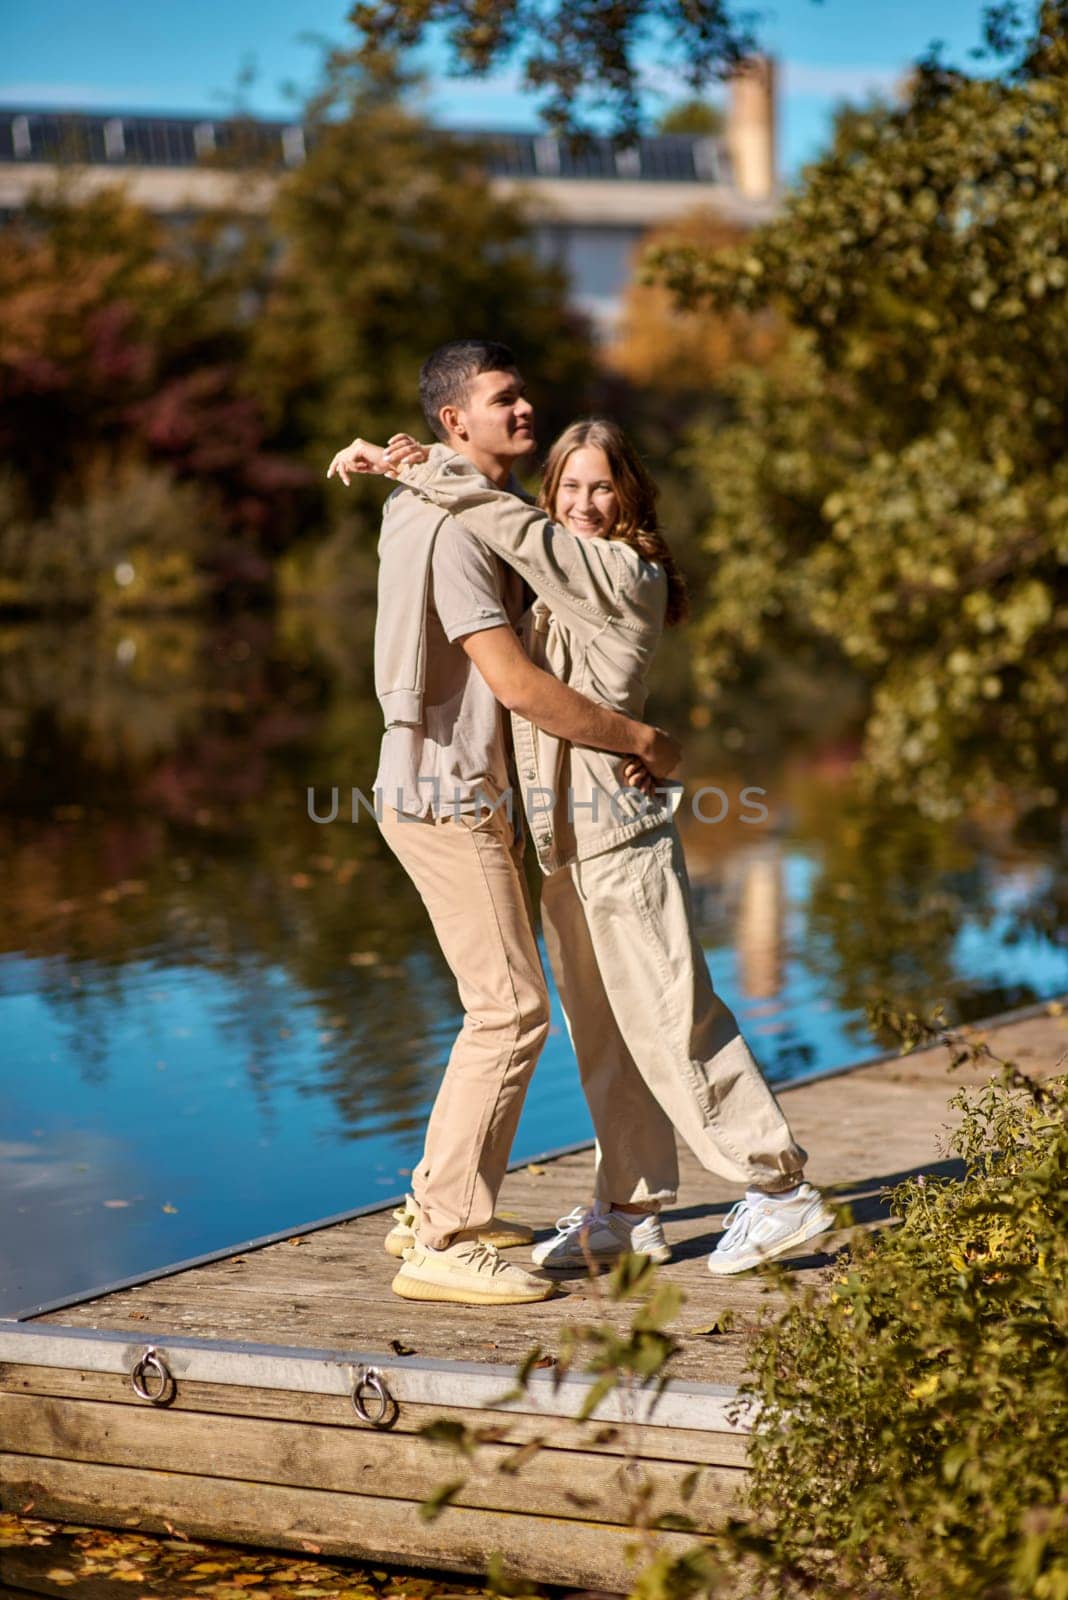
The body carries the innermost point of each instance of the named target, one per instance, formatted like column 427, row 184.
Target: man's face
column 496, row 418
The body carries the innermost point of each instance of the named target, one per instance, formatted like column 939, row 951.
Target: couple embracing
column 490, row 605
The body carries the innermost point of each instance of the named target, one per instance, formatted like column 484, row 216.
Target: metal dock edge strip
column 704, row 1407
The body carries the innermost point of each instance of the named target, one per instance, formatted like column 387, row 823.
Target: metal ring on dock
column 370, row 1379
column 151, row 1362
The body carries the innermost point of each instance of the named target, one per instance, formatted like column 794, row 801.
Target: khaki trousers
column 470, row 877
column 657, row 1048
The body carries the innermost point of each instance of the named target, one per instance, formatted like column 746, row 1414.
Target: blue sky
column 108, row 53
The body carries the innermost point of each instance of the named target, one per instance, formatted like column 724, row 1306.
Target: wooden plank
column 220, row 1399
column 548, row 1549
column 569, row 1483
column 367, row 1321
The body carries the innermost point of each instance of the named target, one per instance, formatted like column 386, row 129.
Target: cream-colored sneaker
column 468, row 1273
column 500, row 1232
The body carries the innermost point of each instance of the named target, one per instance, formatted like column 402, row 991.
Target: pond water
column 219, row 1019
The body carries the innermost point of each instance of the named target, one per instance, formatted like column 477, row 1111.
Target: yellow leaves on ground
column 70, row 1556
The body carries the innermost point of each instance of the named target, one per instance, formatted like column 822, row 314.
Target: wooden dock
column 258, row 1441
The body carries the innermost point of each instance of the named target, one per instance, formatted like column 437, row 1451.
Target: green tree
column 694, row 117
column 394, row 241
column 895, row 483
column 581, row 55
column 586, row 57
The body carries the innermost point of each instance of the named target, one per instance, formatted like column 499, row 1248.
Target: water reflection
column 218, row 1019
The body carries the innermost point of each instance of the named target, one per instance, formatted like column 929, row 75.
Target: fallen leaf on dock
column 536, row 1171
column 722, row 1324
column 582, row 1501
column 401, row 1349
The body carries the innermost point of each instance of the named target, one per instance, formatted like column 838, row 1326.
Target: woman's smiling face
column 586, row 500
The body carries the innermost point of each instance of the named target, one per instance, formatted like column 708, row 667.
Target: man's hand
column 659, row 752
column 361, row 457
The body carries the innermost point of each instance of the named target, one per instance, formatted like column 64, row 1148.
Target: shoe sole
column 502, row 1239
column 418, row 1289
column 799, row 1236
column 661, row 1257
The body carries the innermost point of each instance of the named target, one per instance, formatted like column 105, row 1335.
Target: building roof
column 118, row 139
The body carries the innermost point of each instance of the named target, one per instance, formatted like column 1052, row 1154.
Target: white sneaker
column 607, row 1235
column 468, row 1273
column 499, row 1231
column 759, row 1230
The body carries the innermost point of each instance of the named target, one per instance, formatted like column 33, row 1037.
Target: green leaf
column 446, row 1430
column 432, row 1507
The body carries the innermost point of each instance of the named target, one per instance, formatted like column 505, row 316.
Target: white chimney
column 751, row 128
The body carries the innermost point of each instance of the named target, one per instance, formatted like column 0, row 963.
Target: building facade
column 589, row 207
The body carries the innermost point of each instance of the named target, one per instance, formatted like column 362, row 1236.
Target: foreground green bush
column 913, row 1438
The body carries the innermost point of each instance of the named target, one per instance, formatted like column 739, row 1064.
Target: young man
column 447, row 659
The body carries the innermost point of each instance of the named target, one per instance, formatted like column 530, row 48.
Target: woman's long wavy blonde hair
column 636, row 492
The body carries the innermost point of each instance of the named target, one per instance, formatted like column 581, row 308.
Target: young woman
column 657, row 1049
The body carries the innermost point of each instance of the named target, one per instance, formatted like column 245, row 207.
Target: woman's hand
column 362, row 457
column 404, row 451
column 636, row 775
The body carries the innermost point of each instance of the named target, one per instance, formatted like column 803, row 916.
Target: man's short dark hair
column 447, row 372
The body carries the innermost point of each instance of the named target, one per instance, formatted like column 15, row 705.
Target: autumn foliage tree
column 121, row 354
column 682, row 349
column 231, row 355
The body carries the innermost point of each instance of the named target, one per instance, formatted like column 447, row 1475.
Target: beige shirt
column 459, row 748
column 596, row 626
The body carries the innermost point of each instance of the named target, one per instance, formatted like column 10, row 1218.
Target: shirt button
column 529, row 773
column 546, row 838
